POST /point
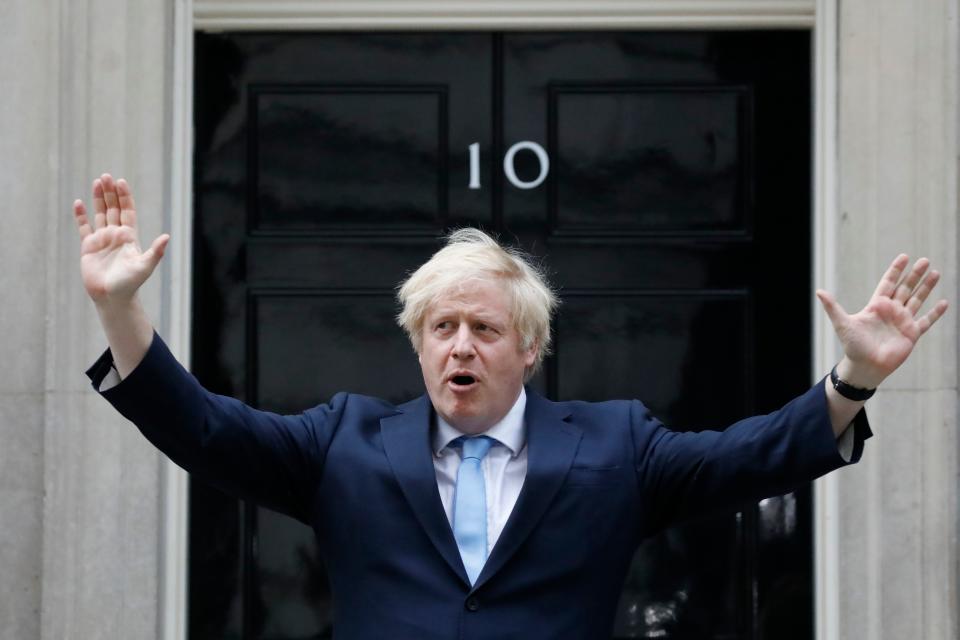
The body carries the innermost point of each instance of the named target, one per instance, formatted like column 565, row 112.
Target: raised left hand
column 879, row 338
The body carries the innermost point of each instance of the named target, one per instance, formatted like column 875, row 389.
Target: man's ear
column 530, row 356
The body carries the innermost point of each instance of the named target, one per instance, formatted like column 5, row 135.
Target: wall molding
column 215, row 15
column 176, row 321
column 826, row 525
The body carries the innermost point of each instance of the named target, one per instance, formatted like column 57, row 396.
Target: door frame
column 820, row 16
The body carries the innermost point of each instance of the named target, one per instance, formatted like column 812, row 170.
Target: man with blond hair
column 481, row 509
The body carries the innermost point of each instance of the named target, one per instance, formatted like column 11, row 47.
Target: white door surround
column 216, row 15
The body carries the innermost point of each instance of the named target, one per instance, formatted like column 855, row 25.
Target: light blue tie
column 470, row 505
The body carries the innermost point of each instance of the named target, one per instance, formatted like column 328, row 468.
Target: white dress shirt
column 504, row 467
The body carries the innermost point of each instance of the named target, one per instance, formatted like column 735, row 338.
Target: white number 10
column 508, row 168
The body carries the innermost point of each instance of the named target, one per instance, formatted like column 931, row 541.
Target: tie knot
column 475, row 447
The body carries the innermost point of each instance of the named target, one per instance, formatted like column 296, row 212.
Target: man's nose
column 463, row 346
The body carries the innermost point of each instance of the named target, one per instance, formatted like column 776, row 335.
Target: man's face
column 471, row 358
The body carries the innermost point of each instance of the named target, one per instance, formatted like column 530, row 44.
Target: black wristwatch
column 849, row 391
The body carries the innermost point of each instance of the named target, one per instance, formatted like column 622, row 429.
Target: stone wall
column 898, row 148
column 86, row 90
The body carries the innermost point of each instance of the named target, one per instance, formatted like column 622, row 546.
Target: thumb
column 835, row 312
column 152, row 255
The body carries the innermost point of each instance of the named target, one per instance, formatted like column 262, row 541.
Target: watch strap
column 849, row 391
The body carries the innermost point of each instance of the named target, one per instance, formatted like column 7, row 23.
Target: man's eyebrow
column 482, row 316
column 491, row 321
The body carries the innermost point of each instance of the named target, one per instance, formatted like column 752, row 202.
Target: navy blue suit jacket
column 600, row 478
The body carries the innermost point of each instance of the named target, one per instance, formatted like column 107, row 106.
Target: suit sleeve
column 271, row 459
column 684, row 474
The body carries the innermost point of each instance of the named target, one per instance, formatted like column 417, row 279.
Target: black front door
column 664, row 178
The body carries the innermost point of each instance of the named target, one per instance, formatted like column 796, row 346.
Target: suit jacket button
column 472, row 604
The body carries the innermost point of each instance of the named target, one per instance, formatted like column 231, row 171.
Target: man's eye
column 443, row 326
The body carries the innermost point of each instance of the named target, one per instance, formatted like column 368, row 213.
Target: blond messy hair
column 471, row 254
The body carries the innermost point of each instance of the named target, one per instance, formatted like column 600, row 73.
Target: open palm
column 881, row 336
column 112, row 264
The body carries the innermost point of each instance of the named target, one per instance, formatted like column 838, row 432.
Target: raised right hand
column 112, row 264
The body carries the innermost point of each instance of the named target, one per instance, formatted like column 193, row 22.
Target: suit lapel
column 406, row 441
column 551, row 446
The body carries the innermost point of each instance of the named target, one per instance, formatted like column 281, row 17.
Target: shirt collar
column 509, row 431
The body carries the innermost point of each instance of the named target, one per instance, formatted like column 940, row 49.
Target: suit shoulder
column 356, row 404
column 604, row 414
column 602, row 406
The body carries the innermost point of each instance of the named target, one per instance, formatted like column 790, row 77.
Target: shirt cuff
column 103, row 373
column 845, row 443
column 111, row 380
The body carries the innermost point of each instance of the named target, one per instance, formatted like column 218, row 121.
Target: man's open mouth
column 463, row 381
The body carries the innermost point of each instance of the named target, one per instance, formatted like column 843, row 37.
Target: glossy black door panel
column 705, row 329
column 673, row 214
column 341, row 345
column 684, row 583
column 677, row 223
column 331, row 158
column 648, row 158
column 325, row 170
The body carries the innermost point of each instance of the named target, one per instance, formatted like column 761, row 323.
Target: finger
column 920, row 295
column 95, row 243
column 128, row 210
column 99, row 205
column 152, row 255
column 927, row 320
column 836, row 313
column 888, row 283
column 80, row 213
column 110, row 196
column 902, row 294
